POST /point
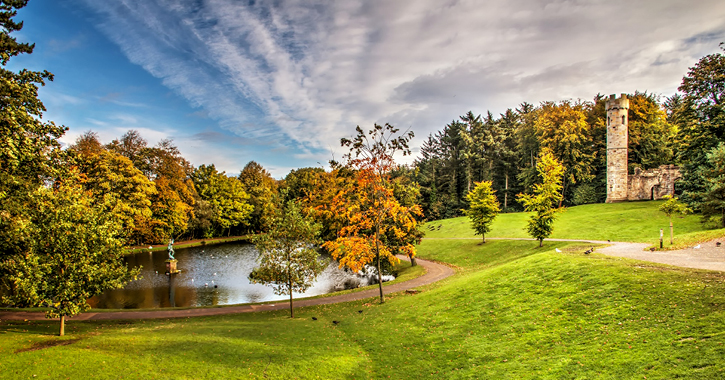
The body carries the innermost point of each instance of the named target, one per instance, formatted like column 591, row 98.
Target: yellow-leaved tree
column 376, row 224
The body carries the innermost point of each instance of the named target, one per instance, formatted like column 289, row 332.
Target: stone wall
column 653, row 183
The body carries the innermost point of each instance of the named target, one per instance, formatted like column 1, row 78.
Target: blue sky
column 280, row 82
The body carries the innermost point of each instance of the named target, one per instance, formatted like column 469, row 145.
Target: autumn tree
column 288, row 257
column 545, row 195
column 113, row 180
column 74, row 254
column 368, row 204
column 562, row 128
column 484, row 208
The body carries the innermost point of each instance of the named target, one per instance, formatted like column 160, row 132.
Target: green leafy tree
column 288, row 259
column 29, row 148
column 262, row 190
column 671, row 207
column 701, row 117
column 542, row 203
column 225, row 195
column 484, row 208
column 74, row 254
column 714, row 194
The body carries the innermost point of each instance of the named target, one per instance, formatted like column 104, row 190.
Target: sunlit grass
column 511, row 312
column 627, row 221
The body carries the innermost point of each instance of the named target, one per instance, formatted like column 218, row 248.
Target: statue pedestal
column 171, row 266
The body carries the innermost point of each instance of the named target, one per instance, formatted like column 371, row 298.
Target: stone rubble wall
column 653, row 183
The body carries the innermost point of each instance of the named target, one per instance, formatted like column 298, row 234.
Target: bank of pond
column 212, row 275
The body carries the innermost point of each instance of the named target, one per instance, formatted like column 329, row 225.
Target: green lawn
column 512, row 311
column 627, row 221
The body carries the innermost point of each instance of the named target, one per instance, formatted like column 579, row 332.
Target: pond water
column 213, row 275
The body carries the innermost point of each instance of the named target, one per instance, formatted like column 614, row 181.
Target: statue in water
column 170, row 248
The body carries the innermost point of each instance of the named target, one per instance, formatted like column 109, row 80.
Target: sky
column 280, row 82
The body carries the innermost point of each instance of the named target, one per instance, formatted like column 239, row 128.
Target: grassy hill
column 628, row 221
column 512, row 311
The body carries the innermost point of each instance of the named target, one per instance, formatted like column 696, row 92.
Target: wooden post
column 662, row 234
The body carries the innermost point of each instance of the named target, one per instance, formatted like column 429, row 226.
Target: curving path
column 434, row 272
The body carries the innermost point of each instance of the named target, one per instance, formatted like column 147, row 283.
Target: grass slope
column 627, row 221
column 531, row 314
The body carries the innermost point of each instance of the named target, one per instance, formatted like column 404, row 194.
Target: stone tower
column 617, row 144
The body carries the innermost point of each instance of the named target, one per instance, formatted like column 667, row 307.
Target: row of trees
column 684, row 129
column 157, row 194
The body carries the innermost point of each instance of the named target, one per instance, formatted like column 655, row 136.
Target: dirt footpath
column 708, row 256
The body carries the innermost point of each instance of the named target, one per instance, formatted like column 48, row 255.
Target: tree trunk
column 541, row 243
column 506, row 193
column 412, row 261
column 291, row 309
column 289, row 284
column 484, row 237
column 672, row 232
column 62, row 325
column 380, row 273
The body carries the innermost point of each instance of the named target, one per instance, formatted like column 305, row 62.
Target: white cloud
column 308, row 71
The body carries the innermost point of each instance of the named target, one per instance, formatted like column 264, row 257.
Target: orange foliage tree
column 370, row 211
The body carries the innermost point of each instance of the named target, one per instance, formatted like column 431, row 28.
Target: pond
column 212, row 275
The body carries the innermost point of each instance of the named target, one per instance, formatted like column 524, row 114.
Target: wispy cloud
column 304, row 73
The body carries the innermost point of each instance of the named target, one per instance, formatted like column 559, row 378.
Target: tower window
column 609, row 121
column 623, row 119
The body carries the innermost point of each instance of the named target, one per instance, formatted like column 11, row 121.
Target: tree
column 369, row 205
column 288, row 259
column 701, row 117
column 225, row 195
column 650, row 135
column 262, row 189
column 545, row 195
column 670, row 207
column 74, row 254
column 563, row 129
column 113, row 180
column 29, row 147
column 714, row 194
column 483, row 208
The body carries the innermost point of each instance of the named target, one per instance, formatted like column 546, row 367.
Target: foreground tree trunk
column 380, row 273
column 62, row 325
column 541, row 243
column 412, row 261
column 291, row 309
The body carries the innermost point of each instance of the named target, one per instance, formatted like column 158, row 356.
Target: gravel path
column 434, row 272
column 708, row 256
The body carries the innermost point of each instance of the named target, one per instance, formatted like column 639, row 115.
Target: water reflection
column 214, row 275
